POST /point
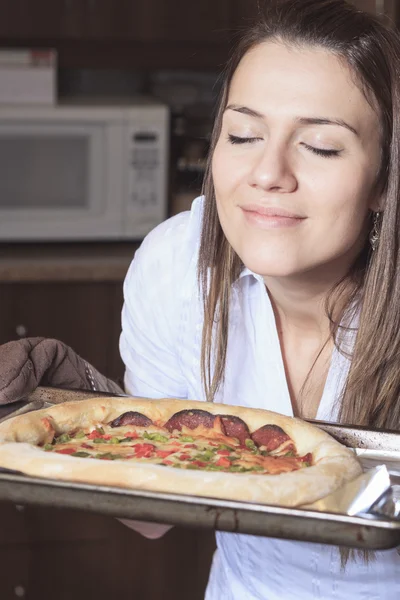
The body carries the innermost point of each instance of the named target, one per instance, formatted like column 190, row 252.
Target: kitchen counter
column 108, row 261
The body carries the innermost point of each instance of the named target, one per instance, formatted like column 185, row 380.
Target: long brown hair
column 372, row 51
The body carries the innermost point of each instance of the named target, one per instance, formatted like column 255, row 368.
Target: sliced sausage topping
column 131, row 418
column 235, row 427
column 270, row 436
column 190, row 419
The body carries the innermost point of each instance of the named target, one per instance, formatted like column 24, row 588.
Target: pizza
column 178, row 446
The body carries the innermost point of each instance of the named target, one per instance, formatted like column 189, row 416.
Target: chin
column 275, row 273
column 272, row 262
column 268, row 268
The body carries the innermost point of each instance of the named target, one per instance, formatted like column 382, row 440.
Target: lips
column 271, row 217
column 271, row 211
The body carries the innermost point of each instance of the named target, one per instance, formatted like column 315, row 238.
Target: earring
column 376, row 230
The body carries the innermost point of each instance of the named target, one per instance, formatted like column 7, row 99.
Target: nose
column 271, row 170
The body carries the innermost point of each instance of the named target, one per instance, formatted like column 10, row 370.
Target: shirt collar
column 246, row 273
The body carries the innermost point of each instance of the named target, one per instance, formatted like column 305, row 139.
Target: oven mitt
column 29, row 362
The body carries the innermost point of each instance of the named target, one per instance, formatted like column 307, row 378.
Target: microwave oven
column 94, row 170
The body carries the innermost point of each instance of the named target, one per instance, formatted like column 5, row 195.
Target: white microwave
column 83, row 170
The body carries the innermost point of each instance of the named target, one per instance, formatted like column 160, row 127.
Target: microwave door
column 53, row 181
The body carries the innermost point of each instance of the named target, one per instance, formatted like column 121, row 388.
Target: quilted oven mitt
column 27, row 363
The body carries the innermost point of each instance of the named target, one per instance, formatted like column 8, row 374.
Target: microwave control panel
column 145, row 157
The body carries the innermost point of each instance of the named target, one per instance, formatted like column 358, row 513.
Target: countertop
column 90, row 261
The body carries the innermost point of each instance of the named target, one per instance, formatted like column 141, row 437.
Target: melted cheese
column 191, row 448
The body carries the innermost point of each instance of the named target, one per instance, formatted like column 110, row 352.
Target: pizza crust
column 334, row 463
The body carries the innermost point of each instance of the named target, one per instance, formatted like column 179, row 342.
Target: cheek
column 343, row 219
column 228, row 170
column 345, row 198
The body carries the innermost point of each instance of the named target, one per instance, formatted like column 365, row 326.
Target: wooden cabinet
column 47, row 553
column 243, row 11
column 121, row 34
column 137, row 33
column 84, row 315
column 137, row 20
column 42, row 19
column 108, row 20
column 149, row 20
column 206, row 21
column 158, row 21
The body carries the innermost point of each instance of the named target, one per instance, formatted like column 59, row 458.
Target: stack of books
column 28, row 76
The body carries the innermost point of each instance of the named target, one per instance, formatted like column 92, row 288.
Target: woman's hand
column 27, row 363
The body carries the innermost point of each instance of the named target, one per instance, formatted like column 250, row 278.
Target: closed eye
column 234, row 139
column 322, row 152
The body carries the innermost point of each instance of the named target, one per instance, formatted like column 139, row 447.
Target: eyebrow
column 245, row 110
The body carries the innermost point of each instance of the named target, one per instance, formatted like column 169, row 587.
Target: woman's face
column 296, row 162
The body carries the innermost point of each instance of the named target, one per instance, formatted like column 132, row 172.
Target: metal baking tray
column 206, row 513
column 367, row 531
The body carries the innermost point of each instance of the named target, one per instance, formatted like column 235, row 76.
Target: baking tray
column 366, row 532
column 206, row 513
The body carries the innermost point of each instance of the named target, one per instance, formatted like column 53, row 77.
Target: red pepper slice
column 199, row 463
column 144, row 450
column 132, row 434
column 144, row 454
column 88, row 446
column 190, row 446
column 167, row 462
column 223, row 452
column 94, row 434
column 164, row 453
column 223, row 462
column 66, row 450
column 144, row 447
column 184, row 457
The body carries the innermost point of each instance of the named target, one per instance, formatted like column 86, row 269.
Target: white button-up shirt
column 160, row 344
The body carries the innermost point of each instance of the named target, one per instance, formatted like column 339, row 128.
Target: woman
column 280, row 288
